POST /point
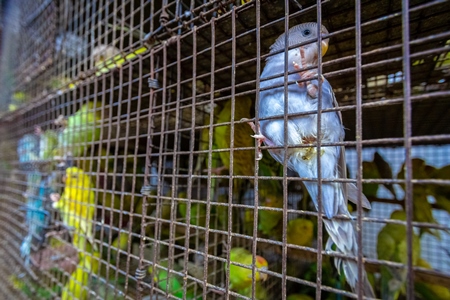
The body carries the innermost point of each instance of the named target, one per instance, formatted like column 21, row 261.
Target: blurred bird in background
column 71, row 45
column 240, row 277
column 32, row 149
column 77, row 287
column 392, row 246
column 28, row 150
column 77, row 205
column 35, row 217
column 78, row 131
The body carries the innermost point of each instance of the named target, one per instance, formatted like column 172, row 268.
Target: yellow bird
column 78, row 285
column 244, row 160
column 300, row 232
column 241, row 278
column 76, row 204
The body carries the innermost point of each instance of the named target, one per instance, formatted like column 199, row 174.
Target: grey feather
column 297, row 35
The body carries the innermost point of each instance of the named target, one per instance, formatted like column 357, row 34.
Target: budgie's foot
column 57, row 234
column 60, row 121
column 37, row 130
column 312, row 89
column 52, row 234
column 259, row 137
column 55, row 197
column 147, row 190
column 251, row 124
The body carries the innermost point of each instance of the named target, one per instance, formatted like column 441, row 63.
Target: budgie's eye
column 306, row 32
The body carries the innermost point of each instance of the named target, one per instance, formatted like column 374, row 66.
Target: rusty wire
column 175, row 65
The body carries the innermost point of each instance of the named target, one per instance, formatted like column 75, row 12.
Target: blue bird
column 28, row 149
column 36, row 215
column 303, row 132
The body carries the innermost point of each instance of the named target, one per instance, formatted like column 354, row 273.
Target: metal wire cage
column 128, row 170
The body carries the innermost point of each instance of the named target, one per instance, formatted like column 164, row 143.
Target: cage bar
column 128, row 169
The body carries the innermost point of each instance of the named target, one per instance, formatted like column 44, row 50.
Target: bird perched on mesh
column 302, row 91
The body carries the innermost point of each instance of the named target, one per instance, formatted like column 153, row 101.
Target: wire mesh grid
column 129, row 172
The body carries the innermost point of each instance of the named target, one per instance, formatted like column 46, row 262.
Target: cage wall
column 129, row 169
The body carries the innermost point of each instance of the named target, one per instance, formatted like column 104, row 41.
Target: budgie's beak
column 263, row 265
column 324, row 46
column 325, row 41
column 263, row 276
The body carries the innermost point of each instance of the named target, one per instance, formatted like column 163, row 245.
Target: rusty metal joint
column 141, row 272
